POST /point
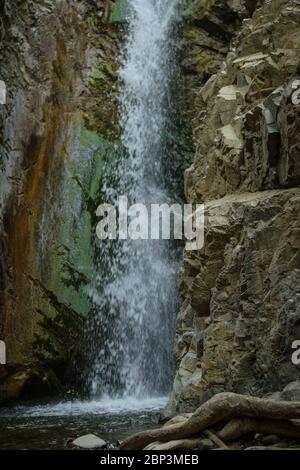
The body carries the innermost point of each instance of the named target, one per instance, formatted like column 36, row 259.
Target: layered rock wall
column 240, row 311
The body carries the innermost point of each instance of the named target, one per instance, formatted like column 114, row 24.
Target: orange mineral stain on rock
column 45, row 139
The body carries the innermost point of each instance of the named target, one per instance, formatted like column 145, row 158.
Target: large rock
column 89, row 441
column 25, row 383
column 253, row 297
column 291, row 392
column 12, row 386
column 245, row 130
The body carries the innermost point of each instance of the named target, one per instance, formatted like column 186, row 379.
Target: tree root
column 237, row 428
column 181, row 444
column 215, row 439
column 222, row 406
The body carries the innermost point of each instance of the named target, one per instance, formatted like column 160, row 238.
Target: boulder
column 291, row 392
column 89, row 441
column 270, row 440
column 12, row 387
column 205, row 444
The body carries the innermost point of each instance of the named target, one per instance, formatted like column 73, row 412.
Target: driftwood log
column 223, row 407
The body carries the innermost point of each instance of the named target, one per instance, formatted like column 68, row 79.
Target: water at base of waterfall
column 54, row 425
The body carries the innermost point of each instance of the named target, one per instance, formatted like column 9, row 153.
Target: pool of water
column 55, row 425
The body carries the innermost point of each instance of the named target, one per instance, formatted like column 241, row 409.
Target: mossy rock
column 47, row 350
column 189, row 9
column 119, row 12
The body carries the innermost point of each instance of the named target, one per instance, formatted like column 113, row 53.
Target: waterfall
column 134, row 291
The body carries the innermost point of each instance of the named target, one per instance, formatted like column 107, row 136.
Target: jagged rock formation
column 240, row 311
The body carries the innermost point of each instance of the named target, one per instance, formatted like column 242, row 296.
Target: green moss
column 119, row 12
column 97, row 75
column 105, row 71
column 190, row 7
column 89, row 140
column 102, row 150
column 103, row 116
column 71, row 259
column 46, row 349
column 91, row 20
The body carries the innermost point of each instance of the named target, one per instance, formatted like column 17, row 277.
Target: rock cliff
column 240, row 311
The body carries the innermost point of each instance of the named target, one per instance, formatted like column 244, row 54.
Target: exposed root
column 223, row 406
column 237, row 428
column 215, row 439
column 181, row 444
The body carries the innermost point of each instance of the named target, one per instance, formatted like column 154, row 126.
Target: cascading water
column 134, row 291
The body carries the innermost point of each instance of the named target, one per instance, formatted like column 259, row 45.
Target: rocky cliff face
column 58, row 58
column 240, row 311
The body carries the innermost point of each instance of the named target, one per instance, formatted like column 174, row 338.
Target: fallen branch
column 220, row 407
column 237, row 428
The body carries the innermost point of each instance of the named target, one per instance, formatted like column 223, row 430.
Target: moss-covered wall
column 60, row 117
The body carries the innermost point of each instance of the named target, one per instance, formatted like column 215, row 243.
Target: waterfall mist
column 134, row 290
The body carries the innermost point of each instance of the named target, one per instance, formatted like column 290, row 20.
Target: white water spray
column 134, row 293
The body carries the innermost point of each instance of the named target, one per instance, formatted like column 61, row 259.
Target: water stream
column 134, row 292
column 55, row 425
